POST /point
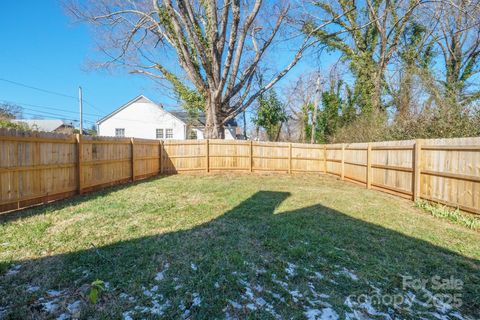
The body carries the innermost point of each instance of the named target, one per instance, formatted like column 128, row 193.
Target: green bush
column 12, row 125
column 456, row 216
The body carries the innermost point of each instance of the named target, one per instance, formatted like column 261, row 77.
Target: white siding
column 199, row 133
column 141, row 119
column 228, row 134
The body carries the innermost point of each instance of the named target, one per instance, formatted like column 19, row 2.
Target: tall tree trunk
column 313, row 132
column 304, row 123
column 214, row 117
column 277, row 136
column 377, row 91
column 405, row 95
column 314, row 116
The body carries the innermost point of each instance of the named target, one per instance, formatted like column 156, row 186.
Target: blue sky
column 41, row 47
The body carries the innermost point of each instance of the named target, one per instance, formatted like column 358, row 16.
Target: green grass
column 453, row 215
column 235, row 246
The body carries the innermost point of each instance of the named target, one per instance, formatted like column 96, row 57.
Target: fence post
column 343, row 162
column 160, row 153
column 417, row 169
column 207, row 147
column 290, row 158
column 36, row 162
column 79, row 163
column 132, row 144
column 369, row 166
column 251, row 156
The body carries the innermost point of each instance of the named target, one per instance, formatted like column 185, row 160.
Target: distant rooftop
column 44, row 125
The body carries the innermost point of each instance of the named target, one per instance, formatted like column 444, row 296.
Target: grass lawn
column 237, row 247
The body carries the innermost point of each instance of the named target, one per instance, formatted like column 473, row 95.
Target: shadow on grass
column 250, row 252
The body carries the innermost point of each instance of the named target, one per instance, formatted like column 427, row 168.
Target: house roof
column 43, row 125
column 141, row 98
column 180, row 115
column 200, row 121
column 184, row 116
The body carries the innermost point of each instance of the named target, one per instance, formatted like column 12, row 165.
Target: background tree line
column 407, row 69
column 404, row 69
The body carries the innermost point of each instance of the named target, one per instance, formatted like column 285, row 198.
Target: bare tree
column 9, row 111
column 412, row 64
column 300, row 93
column 458, row 37
column 371, row 31
column 219, row 45
column 315, row 110
column 441, row 50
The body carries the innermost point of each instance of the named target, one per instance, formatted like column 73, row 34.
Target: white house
column 142, row 118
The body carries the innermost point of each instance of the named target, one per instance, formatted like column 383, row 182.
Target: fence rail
column 41, row 167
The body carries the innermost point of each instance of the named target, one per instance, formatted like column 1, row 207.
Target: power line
column 36, row 112
column 54, row 93
column 38, row 89
column 48, row 91
column 91, row 105
column 61, row 95
column 58, row 109
column 51, row 115
column 48, row 107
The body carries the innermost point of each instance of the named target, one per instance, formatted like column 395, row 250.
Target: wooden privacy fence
column 41, row 167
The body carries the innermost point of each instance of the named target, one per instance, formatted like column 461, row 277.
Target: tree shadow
column 252, row 262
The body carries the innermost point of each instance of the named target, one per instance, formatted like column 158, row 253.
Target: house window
column 159, row 133
column 169, row 133
column 120, row 132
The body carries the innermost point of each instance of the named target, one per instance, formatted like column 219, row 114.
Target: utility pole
column 315, row 107
column 80, row 102
column 245, row 124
